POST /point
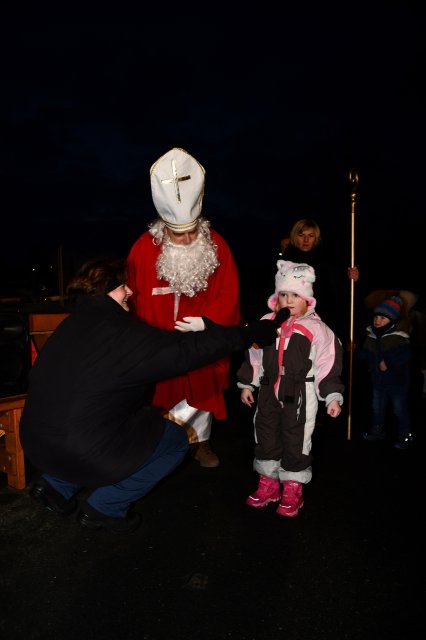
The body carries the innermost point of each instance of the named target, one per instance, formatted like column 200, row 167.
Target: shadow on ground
column 204, row 565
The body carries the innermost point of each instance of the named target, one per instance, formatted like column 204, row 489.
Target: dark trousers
column 397, row 396
column 114, row 500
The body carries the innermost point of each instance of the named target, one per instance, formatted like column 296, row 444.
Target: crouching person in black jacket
column 85, row 422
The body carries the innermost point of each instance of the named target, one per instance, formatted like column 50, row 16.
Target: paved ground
column 203, row 565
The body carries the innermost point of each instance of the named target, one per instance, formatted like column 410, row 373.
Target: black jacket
column 84, row 420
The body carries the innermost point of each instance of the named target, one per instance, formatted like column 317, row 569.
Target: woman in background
column 306, row 246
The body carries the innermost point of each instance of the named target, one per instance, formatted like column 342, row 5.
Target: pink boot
column 267, row 491
column 291, row 500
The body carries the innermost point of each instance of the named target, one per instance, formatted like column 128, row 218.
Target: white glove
column 190, row 324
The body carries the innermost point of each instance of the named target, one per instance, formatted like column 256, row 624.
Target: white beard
column 187, row 268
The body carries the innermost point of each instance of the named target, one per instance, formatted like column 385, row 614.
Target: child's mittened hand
column 334, row 409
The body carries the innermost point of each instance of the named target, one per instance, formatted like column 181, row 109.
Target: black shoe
column 377, row 434
column 93, row 519
column 404, row 442
column 44, row 493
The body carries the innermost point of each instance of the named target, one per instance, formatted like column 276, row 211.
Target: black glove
column 282, row 315
column 261, row 333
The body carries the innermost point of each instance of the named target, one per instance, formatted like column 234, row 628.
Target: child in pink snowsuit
column 304, row 366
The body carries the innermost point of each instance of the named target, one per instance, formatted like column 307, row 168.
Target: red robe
column 203, row 388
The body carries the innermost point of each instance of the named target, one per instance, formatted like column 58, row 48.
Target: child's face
column 380, row 321
column 297, row 305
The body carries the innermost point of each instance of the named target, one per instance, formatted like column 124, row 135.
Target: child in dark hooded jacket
column 387, row 351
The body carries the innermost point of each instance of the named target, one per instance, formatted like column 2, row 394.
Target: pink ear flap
column 272, row 301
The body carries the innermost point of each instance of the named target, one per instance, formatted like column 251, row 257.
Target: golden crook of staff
column 353, row 179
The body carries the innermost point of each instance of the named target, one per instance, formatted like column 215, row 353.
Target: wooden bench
column 40, row 327
column 12, row 459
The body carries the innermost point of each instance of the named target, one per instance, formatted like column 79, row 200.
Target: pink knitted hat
column 294, row 278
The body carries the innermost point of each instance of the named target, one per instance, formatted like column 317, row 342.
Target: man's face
column 187, row 237
column 187, row 260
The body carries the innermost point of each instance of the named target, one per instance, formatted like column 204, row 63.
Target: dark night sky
column 277, row 111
